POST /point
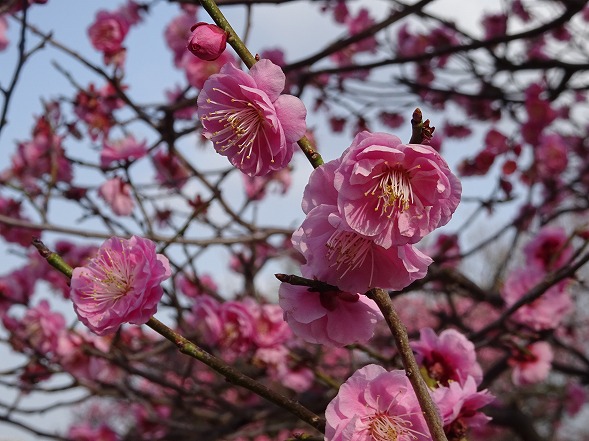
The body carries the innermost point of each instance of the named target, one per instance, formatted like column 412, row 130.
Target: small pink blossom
column 270, row 330
column 118, row 195
column 394, row 192
column 108, row 31
column 353, row 262
column 170, row 171
column 447, row 357
column 176, row 34
column 126, row 149
column 549, row 249
column 495, row 25
column 325, row 317
column 207, row 41
column 121, row 284
column 194, row 287
column 545, row 312
column 374, row 404
column 14, row 234
column 460, row 405
column 248, row 120
column 283, row 370
column 551, row 156
column 198, row 71
column 532, row 364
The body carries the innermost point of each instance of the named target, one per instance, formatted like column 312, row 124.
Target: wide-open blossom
column 340, row 256
column 545, row 312
column 459, row 406
column 532, row 364
column 375, row 405
column 394, row 192
column 247, row 118
column 121, row 284
column 325, row 317
column 447, row 357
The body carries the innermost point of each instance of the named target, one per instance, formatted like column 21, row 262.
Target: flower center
column 347, row 248
column 112, row 277
column 241, row 120
column 392, row 186
column 385, row 427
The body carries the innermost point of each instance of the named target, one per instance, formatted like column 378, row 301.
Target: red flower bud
column 207, row 41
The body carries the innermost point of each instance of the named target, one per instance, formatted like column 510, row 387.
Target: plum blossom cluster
column 365, row 211
column 450, row 367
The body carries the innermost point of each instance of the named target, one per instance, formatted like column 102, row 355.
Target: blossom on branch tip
column 393, row 192
column 207, row 41
column 531, row 364
column 248, row 120
column 120, row 284
column 375, row 405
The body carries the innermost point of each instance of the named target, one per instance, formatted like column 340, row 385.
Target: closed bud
column 207, row 41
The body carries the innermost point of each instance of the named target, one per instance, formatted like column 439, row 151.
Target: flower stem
column 236, row 377
column 399, row 332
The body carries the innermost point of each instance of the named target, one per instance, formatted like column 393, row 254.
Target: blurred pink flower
column 125, row 149
column 374, row 404
column 120, row 284
column 354, row 263
column 176, row 34
column 117, row 194
column 545, row 312
column 38, row 329
column 270, row 329
column 87, row 432
column 256, row 186
column 495, row 25
column 175, row 96
column 551, row 156
column 282, row 369
column 197, row 71
column 447, row 357
column 549, row 249
column 459, row 406
column 393, row 192
column 169, row 170
column 108, row 31
column 207, row 41
column 248, row 120
column 325, row 318
column 532, row 364
column 193, row 287
column 20, row 235
column 3, row 28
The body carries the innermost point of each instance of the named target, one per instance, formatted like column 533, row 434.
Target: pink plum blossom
column 207, row 41
column 256, row 186
column 120, row 284
column 118, row 195
column 12, row 208
column 248, row 120
column 325, row 317
column 125, row 149
column 459, row 406
column 270, row 330
column 169, row 170
column 545, row 312
column 108, row 31
column 353, row 262
column 320, row 189
column 86, row 432
column 394, row 192
column 375, row 405
column 551, row 155
column 176, row 34
column 194, row 287
column 447, row 357
column 282, row 369
column 532, row 364
column 549, row 249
